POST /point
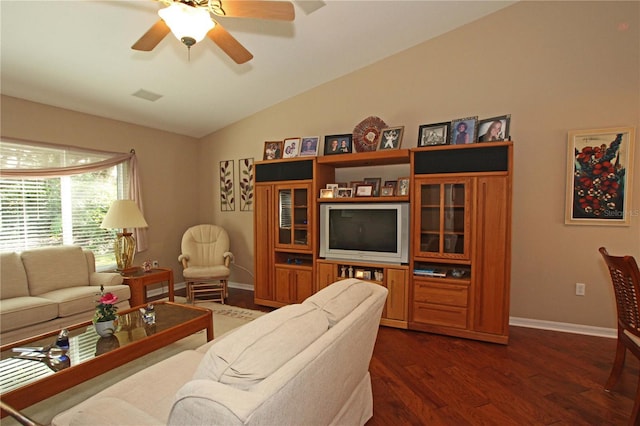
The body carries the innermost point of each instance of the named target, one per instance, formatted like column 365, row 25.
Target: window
column 38, row 211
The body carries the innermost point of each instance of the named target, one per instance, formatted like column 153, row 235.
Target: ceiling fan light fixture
column 189, row 24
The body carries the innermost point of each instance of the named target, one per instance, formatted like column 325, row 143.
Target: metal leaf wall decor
column 227, row 199
column 245, row 173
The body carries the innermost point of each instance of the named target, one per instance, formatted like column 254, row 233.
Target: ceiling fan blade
column 278, row 10
column 229, row 44
column 151, row 38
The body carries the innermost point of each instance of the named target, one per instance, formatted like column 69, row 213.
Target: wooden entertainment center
column 458, row 276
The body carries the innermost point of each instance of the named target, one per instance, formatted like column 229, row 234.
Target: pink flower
column 109, row 299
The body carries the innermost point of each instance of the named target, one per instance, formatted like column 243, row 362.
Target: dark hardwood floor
column 540, row 378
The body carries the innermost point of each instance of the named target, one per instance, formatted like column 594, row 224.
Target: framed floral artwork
column 599, row 176
column 245, row 173
column 227, row 199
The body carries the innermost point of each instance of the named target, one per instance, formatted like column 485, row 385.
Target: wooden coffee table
column 25, row 382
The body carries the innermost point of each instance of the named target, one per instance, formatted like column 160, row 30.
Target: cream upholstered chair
column 625, row 277
column 205, row 258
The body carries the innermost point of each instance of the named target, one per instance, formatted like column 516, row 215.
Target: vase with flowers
column 105, row 315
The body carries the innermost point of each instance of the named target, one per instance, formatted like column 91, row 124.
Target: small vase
column 105, row 328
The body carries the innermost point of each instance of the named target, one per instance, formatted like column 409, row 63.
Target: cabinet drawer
column 448, row 316
column 445, row 294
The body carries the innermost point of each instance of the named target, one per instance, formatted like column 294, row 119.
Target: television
column 366, row 232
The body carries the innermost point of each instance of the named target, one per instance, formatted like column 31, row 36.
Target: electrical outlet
column 580, row 288
column 156, row 264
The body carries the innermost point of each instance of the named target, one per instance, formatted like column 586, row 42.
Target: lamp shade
column 124, row 214
column 187, row 22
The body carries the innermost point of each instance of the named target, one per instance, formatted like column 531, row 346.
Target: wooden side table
column 138, row 280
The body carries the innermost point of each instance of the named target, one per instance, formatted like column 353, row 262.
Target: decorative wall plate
column 366, row 134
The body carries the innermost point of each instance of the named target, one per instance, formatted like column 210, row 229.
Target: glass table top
column 85, row 344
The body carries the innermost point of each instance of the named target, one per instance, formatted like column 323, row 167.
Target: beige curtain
column 30, row 159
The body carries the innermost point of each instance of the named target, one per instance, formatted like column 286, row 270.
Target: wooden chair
column 205, row 258
column 625, row 277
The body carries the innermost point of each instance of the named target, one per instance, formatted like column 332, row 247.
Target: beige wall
column 554, row 66
column 168, row 178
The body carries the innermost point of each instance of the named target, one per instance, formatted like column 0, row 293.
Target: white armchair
column 205, row 260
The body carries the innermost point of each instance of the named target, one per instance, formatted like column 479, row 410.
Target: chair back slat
column 625, row 278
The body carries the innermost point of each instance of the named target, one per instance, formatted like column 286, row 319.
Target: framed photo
column 345, row 192
column 463, row 130
column 309, row 146
column 494, row 129
column 391, row 138
column 326, row 193
column 434, row 134
column 337, row 144
column 376, row 185
column 342, row 184
column 291, row 148
column 333, row 187
column 387, row 191
column 364, row 190
column 272, row 150
column 599, row 176
column 403, row 186
column 391, row 184
column 354, row 184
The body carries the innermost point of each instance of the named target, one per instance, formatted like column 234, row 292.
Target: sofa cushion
column 73, row 300
column 260, row 347
column 19, row 312
column 53, row 268
column 12, row 276
column 340, row 298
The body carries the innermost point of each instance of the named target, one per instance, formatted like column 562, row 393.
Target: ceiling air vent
column 147, row 95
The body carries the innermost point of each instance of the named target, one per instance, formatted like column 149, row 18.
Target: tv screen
column 367, row 232
column 363, row 230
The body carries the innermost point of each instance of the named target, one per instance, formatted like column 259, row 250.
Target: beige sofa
column 50, row 288
column 304, row 364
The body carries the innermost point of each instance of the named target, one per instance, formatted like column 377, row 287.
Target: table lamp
column 124, row 214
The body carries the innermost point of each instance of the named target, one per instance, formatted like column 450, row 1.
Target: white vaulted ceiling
column 77, row 55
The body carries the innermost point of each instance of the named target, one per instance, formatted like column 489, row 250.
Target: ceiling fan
column 192, row 20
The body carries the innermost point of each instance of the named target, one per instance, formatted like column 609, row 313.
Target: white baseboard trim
column 564, row 327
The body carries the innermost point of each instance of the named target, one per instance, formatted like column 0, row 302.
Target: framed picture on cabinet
column 403, row 186
column 393, row 184
column 463, row 130
column 599, row 176
column 326, row 193
column 345, row 192
column 386, row 191
column 364, row 190
column 391, row 138
column 309, row 146
column 272, row 150
column 376, row 185
column 434, row 134
column 337, row 144
column 291, row 148
column 494, row 129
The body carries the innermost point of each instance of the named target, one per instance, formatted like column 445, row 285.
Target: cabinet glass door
column 443, row 216
column 293, row 217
